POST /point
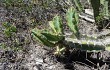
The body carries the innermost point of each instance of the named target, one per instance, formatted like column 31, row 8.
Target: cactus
column 56, row 25
column 42, row 39
column 95, row 5
column 100, row 10
column 72, row 21
column 87, row 45
column 53, row 38
column 56, row 39
column 78, row 5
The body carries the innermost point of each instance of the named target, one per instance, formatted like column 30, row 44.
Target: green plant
column 9, row 29
column 95, row 5
column 8, row 3
column 55, row 37
column 72, row 21
column 105, row 8
column 10, row 34
column 78, row 5
column 6, row 47
column 19, row 4
column 100, row 10
column 3, row 46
